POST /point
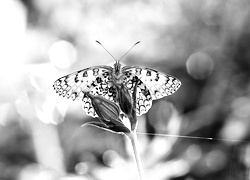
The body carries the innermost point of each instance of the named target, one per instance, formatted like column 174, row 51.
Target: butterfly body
column 108, row 82
column 116, row 75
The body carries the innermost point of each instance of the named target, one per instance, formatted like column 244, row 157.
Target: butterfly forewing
column 94, row 80
column 158, row 84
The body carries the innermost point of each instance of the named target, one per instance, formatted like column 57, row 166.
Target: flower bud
column 104, row 108
column 109, row 114
column 125, row 100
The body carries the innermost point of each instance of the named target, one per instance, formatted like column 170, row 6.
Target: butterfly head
column 117, row 68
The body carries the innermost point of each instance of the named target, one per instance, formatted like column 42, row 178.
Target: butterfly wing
column 143, row 97
column 94, row 80
column 158, row 83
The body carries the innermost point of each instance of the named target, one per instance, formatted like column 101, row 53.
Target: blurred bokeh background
column 205, row 44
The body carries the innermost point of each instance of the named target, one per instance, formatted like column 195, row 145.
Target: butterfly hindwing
column 158, row 84
column 94, row 80
column 143, row 97
column 87, row 107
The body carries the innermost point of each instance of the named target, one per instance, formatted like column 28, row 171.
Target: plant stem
column 133, row 138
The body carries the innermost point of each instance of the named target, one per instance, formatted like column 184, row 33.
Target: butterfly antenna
column 129, row 50
column 107, row 51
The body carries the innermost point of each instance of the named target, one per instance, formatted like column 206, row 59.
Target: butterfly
column 102, row 81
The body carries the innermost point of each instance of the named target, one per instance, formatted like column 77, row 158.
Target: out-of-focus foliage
column 205, row 44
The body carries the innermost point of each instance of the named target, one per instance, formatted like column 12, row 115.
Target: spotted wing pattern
column 94, row 80
column 143, row 97
column 158, row 84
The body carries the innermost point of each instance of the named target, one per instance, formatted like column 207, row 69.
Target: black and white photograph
column 125, row 90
